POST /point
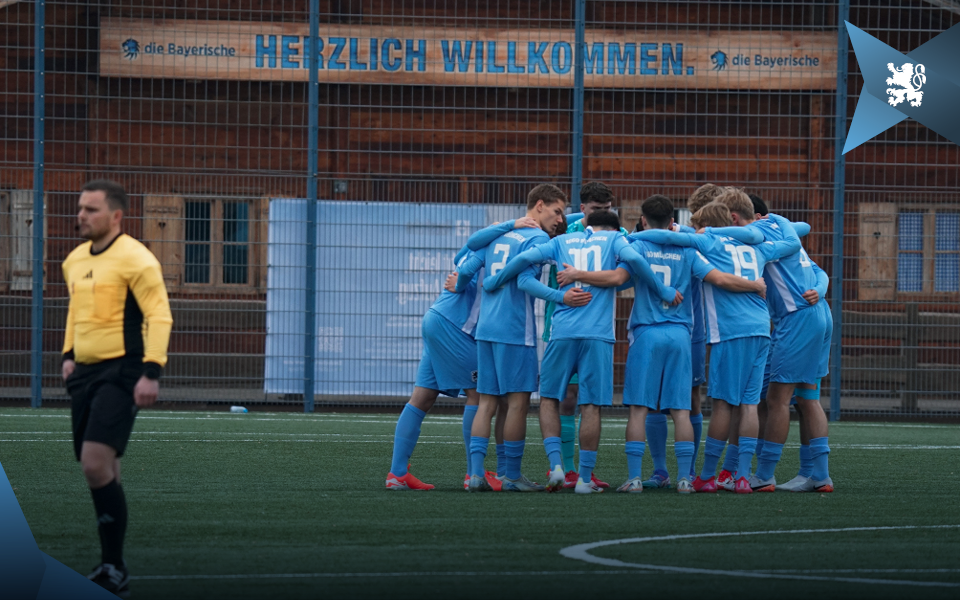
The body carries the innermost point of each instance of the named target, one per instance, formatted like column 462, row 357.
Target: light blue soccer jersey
column 461, row 309
column 730, row 315
column 506, row 315
column 788, row 279
column 587, row 251
column 681, row 268
column 699, row 333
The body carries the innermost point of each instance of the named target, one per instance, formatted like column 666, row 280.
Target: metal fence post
column 310, row 328
column 580, row 16
column 839, row 181
column 36, row 333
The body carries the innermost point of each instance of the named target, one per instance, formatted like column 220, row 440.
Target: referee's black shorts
column 103, row 409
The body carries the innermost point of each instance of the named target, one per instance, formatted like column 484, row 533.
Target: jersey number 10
column 581, row 258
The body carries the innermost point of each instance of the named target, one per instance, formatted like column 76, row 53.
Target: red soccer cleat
column 407, row 482
column 570, row 480
column 597, row 482
column 743, row 486
column 495, row 484
column 726, row 481
column 705, row 487
column 466, row 481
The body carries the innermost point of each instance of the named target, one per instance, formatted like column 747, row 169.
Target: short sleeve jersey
column 681, row 268
column 787, row 279
column 732, row 315
column 506, row 315
column 587, row 251
column 461, row 309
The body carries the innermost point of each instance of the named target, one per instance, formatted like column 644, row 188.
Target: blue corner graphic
column 922, row 85
column 26, row 572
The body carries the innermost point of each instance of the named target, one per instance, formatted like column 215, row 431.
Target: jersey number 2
column 500, row 264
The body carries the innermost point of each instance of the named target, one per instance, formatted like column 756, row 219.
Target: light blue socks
column 405, row 438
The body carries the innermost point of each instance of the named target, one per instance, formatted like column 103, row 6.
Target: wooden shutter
column 878, row 251
column 21, row 242
column 163, row 231
column 6, row 254
column 261, row 226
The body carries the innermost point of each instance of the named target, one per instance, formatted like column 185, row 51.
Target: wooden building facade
column 202, row 157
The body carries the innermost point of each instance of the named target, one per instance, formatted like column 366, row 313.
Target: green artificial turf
column 294, row 506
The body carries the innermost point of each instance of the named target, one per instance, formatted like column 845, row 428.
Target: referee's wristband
column 68, row 355
column 152, row 370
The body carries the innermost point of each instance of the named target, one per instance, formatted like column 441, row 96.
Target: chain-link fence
column 432, row 120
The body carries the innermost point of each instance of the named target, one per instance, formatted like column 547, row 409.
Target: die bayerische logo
column 910, row 79
column 719, row 60
column 131, row 49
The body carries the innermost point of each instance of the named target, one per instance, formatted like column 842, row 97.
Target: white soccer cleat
column 589, row 487
column 823, row 487
column 478, row 484
column 762, row 485
column 556, row 480
column 797, row 484
column 685, row 486
column 521, row 485
column 631, row 486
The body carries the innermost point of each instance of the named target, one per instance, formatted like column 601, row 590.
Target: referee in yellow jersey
column 115, row 348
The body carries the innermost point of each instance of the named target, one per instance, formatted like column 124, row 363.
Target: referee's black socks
column 111, row 507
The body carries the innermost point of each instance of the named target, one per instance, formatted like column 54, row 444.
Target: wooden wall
column 452, row 144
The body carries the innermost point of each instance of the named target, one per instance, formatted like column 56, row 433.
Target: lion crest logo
column 719, row 60
column 910, row 78
column 131, row 49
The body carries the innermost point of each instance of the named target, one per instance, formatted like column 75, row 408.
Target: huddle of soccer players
column 721, row 282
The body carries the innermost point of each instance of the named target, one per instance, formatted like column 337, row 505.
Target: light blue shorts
column 506, row 368
column 657, row 365
column 698, row 356
column 591, row 360
column 766, row 374
column 736, row 370
column 449, row 360
column 800, row 347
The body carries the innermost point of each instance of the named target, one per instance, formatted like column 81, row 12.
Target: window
column 208, row 242
column 928, row 251
column 908, row 250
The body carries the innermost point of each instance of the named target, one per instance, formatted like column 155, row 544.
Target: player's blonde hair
column 704, row 195
column 738, row 202
column 714, row 214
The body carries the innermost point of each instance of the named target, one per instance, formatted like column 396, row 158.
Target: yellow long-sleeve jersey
column 118, row 305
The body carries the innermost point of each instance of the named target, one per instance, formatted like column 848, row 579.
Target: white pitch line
column 582, row 552
column 894, row 571
column 385, row 438
column 398, row 574
column 498, row 574
column 343, row 417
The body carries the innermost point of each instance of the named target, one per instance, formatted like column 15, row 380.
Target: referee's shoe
column 115, row 580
